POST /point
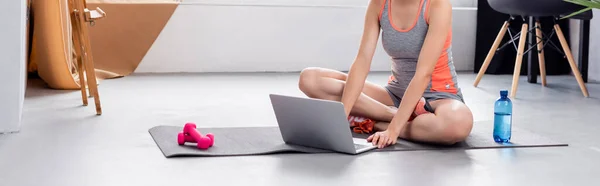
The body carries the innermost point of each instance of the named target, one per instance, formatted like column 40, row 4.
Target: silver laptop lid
column 313, row 122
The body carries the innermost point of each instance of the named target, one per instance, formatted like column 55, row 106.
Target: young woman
column 422, row 101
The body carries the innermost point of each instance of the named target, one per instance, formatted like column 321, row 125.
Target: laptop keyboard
column 357, row 146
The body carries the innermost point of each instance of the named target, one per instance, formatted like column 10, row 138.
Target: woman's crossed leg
column 451, row 122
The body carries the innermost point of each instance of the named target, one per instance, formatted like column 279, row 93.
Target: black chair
column 537, row 9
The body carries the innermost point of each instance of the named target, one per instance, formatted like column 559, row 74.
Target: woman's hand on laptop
column 384, row 138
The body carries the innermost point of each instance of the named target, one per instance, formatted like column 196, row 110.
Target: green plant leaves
column 590, row 4
column 575, row 13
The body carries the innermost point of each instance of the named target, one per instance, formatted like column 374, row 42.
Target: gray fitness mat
column 267, row 140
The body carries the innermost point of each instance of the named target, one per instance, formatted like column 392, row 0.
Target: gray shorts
column 429, row 96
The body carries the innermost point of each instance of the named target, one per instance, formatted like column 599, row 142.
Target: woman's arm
column 440, row 23
column 361, row 66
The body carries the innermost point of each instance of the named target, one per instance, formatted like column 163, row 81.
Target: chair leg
column 78, row 53
column 93, row 84
column 540, row 47
column 491, row 53
column 91, row 72
column 519, row 60
column 81, row 30
column 567, row 50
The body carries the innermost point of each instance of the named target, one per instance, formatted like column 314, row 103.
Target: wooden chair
column 81, row 16
column 537, row 9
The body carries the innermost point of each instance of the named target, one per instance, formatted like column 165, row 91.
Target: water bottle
column 502, row 118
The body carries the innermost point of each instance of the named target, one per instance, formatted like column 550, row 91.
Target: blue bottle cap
column 503, row 92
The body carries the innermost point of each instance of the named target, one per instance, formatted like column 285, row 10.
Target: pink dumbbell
column 182, row 138
column 190, row 134
column 192, row 127
column 212, row 139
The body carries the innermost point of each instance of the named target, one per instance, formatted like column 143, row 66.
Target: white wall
column 574, row 38
column 12, row 60
column 594, row 60
column 278, row 35
column 594, row 57
column 455, row 3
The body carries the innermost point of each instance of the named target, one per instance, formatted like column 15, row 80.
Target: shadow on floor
column 36, row 87
column 327, row 167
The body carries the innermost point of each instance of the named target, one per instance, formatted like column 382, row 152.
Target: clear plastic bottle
column 502, row 118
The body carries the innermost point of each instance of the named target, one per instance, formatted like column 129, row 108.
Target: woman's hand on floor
column 383, row 139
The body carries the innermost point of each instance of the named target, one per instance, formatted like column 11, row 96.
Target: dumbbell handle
column 193, row 134
column 187, row 138
column 202, row 142
column 190, row 134
column 191, row 140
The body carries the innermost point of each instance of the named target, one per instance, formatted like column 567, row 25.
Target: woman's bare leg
column 321, row 83
column 451, row 123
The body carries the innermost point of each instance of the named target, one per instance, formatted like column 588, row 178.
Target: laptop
column 316, row 123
